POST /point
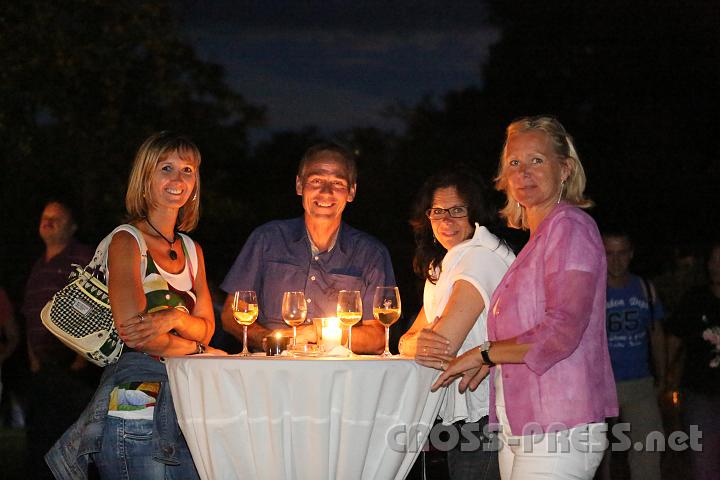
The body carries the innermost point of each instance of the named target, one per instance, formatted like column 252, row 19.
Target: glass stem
column 350, row 338
column 387, row 339
column 294, row 336
column 245, row 348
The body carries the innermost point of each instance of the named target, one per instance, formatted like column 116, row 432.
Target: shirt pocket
column 279, row 277
column 340, row 281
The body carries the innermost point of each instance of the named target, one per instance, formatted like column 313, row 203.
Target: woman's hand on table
column 432, row 349
column 469, row 365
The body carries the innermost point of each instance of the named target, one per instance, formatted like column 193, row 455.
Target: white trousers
column 572, row 454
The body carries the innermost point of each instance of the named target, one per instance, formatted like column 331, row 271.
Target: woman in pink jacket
column 552, row 383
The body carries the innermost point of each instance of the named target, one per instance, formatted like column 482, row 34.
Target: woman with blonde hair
column 162, row 307
column 551, row 381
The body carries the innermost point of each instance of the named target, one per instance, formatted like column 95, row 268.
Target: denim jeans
column 100, row 438
column 126, row 451
column 475, row 457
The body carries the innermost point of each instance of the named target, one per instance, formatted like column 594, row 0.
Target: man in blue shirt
column 635, row 338
column 317, row 254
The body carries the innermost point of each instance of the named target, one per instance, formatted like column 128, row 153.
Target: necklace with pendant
column 172, row 254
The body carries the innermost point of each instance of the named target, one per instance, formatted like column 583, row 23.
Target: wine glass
column 245, row 311
column 386, row 309
column 349, row 311
column 294, row 311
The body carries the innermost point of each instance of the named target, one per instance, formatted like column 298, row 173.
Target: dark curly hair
column 428, row 252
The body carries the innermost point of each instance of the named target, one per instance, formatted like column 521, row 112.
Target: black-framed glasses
column 436, row 213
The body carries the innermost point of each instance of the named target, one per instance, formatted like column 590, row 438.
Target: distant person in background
column 9, row 335
column 317, row 254
column 637, row 349
column 685, row 272
column 462, row 262
column 60, row 384
column 694, row 366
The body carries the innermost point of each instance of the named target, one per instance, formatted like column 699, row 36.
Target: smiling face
column 450, row 231
column 324, row 187
column 173, row 181
column 534, row 171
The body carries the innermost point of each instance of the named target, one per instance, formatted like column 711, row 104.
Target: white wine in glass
column 294, row 311
column 245, row 311
column 386, row 309
column 349, row 311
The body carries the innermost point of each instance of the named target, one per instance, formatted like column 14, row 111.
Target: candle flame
column 278, row 335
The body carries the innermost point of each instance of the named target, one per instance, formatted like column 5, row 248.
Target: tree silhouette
column 83, row 83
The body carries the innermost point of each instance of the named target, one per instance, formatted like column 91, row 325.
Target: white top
column 482, row 261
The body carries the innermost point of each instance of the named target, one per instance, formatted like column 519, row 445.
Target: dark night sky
column 339, row 64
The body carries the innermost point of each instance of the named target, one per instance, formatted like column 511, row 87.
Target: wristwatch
column 485, row 352
column 199, row 348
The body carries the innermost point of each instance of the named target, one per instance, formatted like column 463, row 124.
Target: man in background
column 61, row 380
column 637, row 350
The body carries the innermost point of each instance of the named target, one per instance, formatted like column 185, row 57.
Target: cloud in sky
column 339, row 65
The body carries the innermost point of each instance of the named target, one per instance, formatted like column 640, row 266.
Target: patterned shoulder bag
column 79, row 314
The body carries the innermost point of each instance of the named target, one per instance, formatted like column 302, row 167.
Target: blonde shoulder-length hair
column 156, row 148
column 564, row 147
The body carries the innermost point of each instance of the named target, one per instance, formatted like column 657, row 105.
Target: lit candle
column 275, row 344
column 331, row 333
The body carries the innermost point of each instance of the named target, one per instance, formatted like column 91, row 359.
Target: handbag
column 79, row 315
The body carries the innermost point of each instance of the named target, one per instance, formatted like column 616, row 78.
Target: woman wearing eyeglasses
column 462, row 262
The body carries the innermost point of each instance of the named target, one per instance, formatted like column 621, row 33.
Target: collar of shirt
column 314, row 250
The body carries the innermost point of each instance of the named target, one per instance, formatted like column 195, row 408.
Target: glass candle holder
column 275, row 344
column 329, row 332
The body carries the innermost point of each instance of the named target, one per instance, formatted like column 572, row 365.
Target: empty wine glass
column 386, row 309
column 349, row 311
column 245, row 311
column 294, row 311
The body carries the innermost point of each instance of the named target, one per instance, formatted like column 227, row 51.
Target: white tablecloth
column 305, row 419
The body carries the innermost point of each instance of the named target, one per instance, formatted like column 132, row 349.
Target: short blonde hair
column 156, row 148
column 564, row 147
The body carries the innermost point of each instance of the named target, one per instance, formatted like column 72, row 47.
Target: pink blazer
column 553, row 296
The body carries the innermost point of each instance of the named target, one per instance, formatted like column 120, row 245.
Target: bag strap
column 190, row 253
column 101, row 254
column 649, row 295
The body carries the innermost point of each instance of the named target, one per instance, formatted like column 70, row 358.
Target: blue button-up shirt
column 277, row 258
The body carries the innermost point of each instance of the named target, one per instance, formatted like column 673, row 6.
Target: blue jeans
column 126, row 451
column 476, row 456
column 109, row 440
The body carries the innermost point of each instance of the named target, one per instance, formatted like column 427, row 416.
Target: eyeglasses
column 436, row 213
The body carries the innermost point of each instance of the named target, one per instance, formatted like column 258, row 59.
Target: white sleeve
column 482, row 268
